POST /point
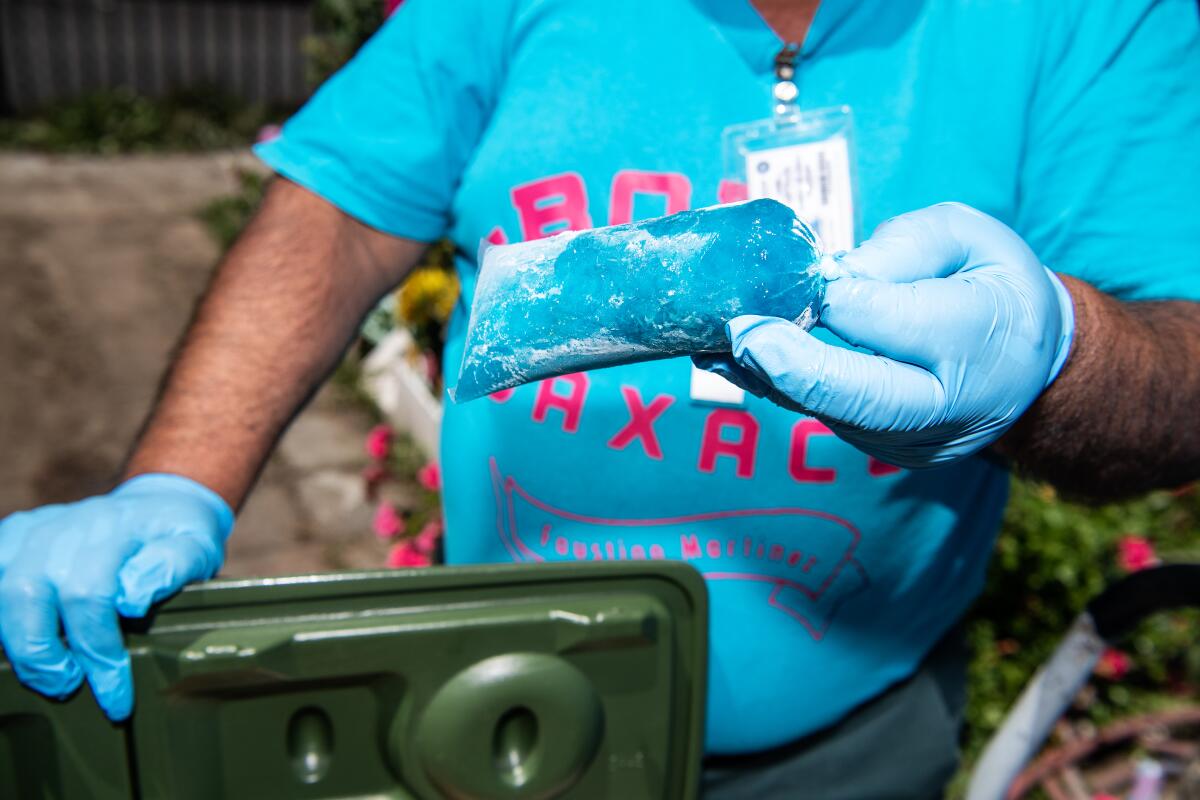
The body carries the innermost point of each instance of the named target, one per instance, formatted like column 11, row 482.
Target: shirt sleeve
column 386, row 138
column 1112, row 160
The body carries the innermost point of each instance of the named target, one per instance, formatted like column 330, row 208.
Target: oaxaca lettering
column 727, row 433
column 557, row 203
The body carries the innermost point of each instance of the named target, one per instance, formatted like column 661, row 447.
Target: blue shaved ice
column 659, row 288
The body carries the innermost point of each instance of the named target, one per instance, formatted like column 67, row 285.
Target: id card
column 805, row 160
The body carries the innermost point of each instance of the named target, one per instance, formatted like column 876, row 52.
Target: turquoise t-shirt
column 831, row 575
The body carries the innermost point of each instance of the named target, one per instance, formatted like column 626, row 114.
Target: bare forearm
column 1122, row 417
column 280, row 309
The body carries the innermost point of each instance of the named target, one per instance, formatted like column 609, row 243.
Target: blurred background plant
column 412, row 524
column 113, row 121
column 339, row 28
column 226, row 216
column 423, row 305
column 1051, row 557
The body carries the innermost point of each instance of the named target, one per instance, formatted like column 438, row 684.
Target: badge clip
column 805, row 159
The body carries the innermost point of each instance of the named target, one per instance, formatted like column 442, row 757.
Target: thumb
column 862, row 391
column 162, row 567
column 926, row 243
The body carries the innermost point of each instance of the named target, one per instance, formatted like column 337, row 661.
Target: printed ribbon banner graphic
column 803, row 559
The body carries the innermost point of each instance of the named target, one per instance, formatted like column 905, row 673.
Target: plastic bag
column 660, row 288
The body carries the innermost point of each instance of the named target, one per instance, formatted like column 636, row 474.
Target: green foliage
column 226, row 216
column 347, row 380
column 340, row 28
column 115, row 121
column 427, row 298
column 1052, row 556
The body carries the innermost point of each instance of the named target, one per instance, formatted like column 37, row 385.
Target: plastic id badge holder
column 805, row 160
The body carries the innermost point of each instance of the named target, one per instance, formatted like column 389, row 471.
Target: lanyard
column 785, row 91
column 804, row 159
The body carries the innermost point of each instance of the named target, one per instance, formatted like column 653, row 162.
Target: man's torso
column 831, row 574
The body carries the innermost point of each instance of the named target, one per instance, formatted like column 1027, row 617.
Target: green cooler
column 574, row 681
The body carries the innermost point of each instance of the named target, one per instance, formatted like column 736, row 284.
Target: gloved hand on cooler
column 965, row 327
column 82, row 564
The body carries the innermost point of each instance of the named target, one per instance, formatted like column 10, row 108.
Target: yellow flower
column 428, row 296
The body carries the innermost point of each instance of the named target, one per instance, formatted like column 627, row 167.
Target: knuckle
column 82, row 596
column 32, row 653
column 209, row 550
column 23, row 525
column 193, row 553
column 19, row 590
column 85, row 588
column 956, row 207
column 811, row 383
column 955, row 214
column 15, row 520
column 969, row 218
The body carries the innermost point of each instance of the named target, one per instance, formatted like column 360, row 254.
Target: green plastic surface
column 514, row 681
column 51, row 750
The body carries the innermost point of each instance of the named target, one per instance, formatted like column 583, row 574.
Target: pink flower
column 1113, row 665
column 387, row 522
column 379, row 442
column 430, row 476
column 268, row 132
column 427, row 539
column 406, row 555
column 1135, row 553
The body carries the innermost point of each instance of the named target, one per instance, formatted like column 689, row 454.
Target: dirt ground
column 102, row 259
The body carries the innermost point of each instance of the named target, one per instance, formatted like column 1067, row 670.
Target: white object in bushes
column 400, row 391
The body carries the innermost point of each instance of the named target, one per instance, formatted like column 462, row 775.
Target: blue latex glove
column 84, row 563
column 965, row 329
